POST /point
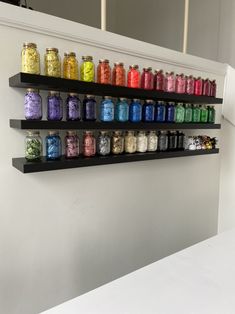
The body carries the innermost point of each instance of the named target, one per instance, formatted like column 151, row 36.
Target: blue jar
column 135, row 111
column 89, row 108
column 73, row 107
column 160, row 111
column 122, row 110
column 54, row 106
column 170, row 112
column 53, row 146
column 148, row 111
column 107, row 110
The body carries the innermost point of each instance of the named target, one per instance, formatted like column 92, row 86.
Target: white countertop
column 197, row 280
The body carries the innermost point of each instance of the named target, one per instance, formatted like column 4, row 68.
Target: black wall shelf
column 27, row 167
column 25, row 80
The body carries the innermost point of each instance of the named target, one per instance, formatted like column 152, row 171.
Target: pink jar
column 190, row 82
column 159, row 79
column 133, row 76
column 180, row 84
column 213, row 88
column 147, row 78
column 206, row 88
column 198, row 86
column 89, row 144
column 170, row 82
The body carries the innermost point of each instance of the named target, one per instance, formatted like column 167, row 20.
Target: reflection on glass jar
column 33, row 146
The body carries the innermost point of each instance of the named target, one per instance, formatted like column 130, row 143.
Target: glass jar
column 133, row 76
column 190, row 82
column 172, row 141
column 160, row 111
column 53, row 146
column 204, row 114
column 142, row 142
column 170, row 112
column 180, row 140
column 117, row 143
column 135, row 111
column 162, row 141
column 107, row 109
column 70, row 66
column 152, row 141
column 196, row 114
column 213, row 88
column 170, row 82
column 211, row 114
column 122, row 110
column 89, row 108
column 130, row 142
column 179, row 113
column 54, row 106
column 159, row 80
column 73, row 107
column 87, row 69
column 52, row 63
column 89, row 144
column 206, row 87
column 198, row 86
column 119, row 74
column 188, row 117
column 32, row 105
column 104, row 72
column 103, row 143
column 33, row 146
column 30, row 59
column 71, row 145
column 180, row 84
column 147, row 78
column 148, row 111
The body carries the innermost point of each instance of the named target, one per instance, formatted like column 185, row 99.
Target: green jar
column 196, row 114
column 188, row 113
column 179, row 113
column 204, row 114
column 33, row 146
column 211, row 114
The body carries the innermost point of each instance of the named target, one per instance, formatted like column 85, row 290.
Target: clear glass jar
column 122, row 110
column 133, row 76
column 104, row 72
column 211, row 114
column 147, row 78
column 107, row 109
column 190, row 84
column 198, row 86
column 135, row 111
column 170, row 82
column 89, row 144
column 70, row 66
column 142, row 142
column 148, row 111
column 73, row 107
column 54, row 106
column 180, row 84
column 103, row 143
column 204, row 114
column 71, row 145
column 89, row 108
column 159, row 80
column 87, row 69
column 33, row 146
column 162, row 141
column 53, row 146
column 130, row 142
column 179, row 113
column 160, row 111
column 206, row 87
column 52, row 62
column 196, row 114
column 188, row 113
column 170, row 112
column 119, row 74
column 152, row 141
column 32, row 105
column 172, row 141
column 117, row 143
column 30, row 59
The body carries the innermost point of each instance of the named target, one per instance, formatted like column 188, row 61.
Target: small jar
column 54, row 106
column 103, row 143
column 159, row 80
column 130, row 142
column 206, row 87
column 213, row 88
column 52, row 63
column 53, row 146
column 119, row 74
column 122, row 110
column 190, row 82
column 73, row 107
column 104, row 72
column 89, row 108
column 71, row 145
column 170, row 82
column 196, row 114
column 30, row 59
column 180, row 84
column 179, row 113
column 162, row 141
column 142, row 142
column 170, row 112
column 117, row 143
column 70, row 66
column 32, row 105
column 135, row 111
column 198, row 86
column 172, row 141
column 204, row 114
column 87, row 69
column 152, row 141
column 180, row 140
column 160, row 111
column 107, row 109
column 148, row 111
column 33, row 146
column 89, row 144
column 211, row 114
column 188, row 113
column 147, row 78
column 133, row 76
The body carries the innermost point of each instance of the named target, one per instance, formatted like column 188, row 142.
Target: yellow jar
column 87, row 69
column 70, row 66
column 30, row 59
column 52, row 63
column 130, row 142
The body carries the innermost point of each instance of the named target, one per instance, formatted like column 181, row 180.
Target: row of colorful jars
column 130, row 142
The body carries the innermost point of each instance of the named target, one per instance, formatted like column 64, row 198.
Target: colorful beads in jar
column 188, row 113
column 89, row 108
column 162, row 141
column 196, row 114
column 147, row 78
column 89, row 144
column 198, row 86
column 180, row 140
column 135, row 111
column 133, row 76
column 170, row 82
column 159, row 80
column 70, row 66
column 170, row 112
column 213, row 88
column 71, row 145
column 117, row 143
column 180, row 84
column 87, row 69
column 30, row 59
column 107, row 109
column 54, row 106
column 211, row 114
column 160, row 111
column 148, row 111
column 52, row 63
column 142, row 142
column 33, row 146
column 190, row 85
column 179, row 113
column 104, row 72
column 73, row 107
column 53, row 146
column 119, row 74
column 130, row 142
column 152, row 141
column 122, row 110
column 32, row 105
column 206, row 87
column 103, row 143
column 204, row 114
column 172, row 140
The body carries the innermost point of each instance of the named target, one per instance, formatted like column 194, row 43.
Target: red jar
column 104, row 72
column 147, row 78
column 159, row 79
column 206, row 88
column 198, row 86
column 213, row 88
column 119, row 74
column 89, row 144
column 170, row 82
column 190, row 82
column 180, row 84
column 133, row 76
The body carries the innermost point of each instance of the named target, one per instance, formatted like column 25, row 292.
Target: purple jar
column 73, row 107
column 89, row 108
column 54, row 106
column 32, row 105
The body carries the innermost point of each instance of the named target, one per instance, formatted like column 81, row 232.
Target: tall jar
column 180, row 84
column 204, row 114
column 70, row 66
column 53, row 146
column 71, row 145
column 211, row 114
column 159, row 80
column 89, row 108
column 190, row 84
column 103, row 143
column 198, row 86
column 87, row 69
column 206, row 87
column 170, row 112
column 130, row 142
column 122, row 110
column 188, row 113
column 54, row 106
column 32, row 105
column 117, row 143
column 52, row 62
column 147, row 78
column 170, row 82
column 148, row 111
column 142, row 142
column 119, row 74
column 104, row 72
column 89, row 144
column 196, row 114
column 107, row 109
column 33, row 146
column 160, row 111
column 152, row 141
column 73, row 107
column 30, row 59
column 172, row 141
column 135, row 111
column 179, row 113
column 213, row 88
column 162, row 141
column 180, row 140
column 133, row 76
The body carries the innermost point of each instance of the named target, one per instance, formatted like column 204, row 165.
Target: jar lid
column 87, row 58
column 89, row 96
column 141, row 132
column 119, row 63
column 147, row 69
column 53, row 132
column 88, row 132
column 149, row 101
column 71, row 133
column 70, row 54
column 158, row 70
column 104, row 60
column 31, row 133
column 32, row 90
column 73, row 94
column 54, row 92
column 136, row 100
column 134, row 66
column 117, row 132
column 102, row 132
column 123, row 99
column 107, row 97
column 52, row 49
column 172, row 72
column 32, row 45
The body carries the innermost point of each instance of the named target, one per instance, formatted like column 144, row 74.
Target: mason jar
column 71, row 145
column 89, row 144
column 103, row 72
column 87, row 69
column 89, row 108
column 107, row 109
column 133, row 76
column 54, row 106
column 53, row 146
column 119, row 74
column 52, row 62
column 162, row 141
column 152, row 141
column 32, row 105
column 73, row 107
column 142, row 142
column 117, row 143
column 33, row 146
column 122, row 110
column 130, row 142
column 103, row 143
column 70, row 66
column 30, row 59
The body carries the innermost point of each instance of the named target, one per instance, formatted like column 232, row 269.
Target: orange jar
column 133, row 76
column 70, row 66
column 119, row 74
column 104, row 72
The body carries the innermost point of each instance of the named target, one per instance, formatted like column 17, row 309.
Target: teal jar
column 204, row 114
column 107, row 110
column 122, row 110
column 179, row 113
column 188, row 113
column 196, row 114
column 211, row 114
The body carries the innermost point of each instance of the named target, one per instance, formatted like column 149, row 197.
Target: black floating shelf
column 44, row 165
column 25, row 80
column 83, row 125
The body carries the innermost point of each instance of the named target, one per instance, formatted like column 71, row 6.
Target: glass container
column 159, row 80
column 190, row 82
column 198, row 86
column 87, row 69
column 179, row 113
column 147, row 78
column 133, row 76
column 54, row 106
column 213, row 88
column 160, row 111
column 170, row 112
column 152, row 141
column 104, row 72
column 30, row 59
column 89, row 108
column 53, row 146
column 117, row 143
column 142, row 142
column 122, row 110
column 33, row 146
column 188, row 113
column 180, row 140
column 71, row 145
column 130, row 142
column 52, row 62
column 204, row 114
column 103, row 143
column 170, row 82
column 206, row 87
column 180, row 84
column 70, row 66
column 172, row 141
column 119, row 74
column 107, row 109
column 89, row 144
column 196, row 114
column 162, row 141
column 73, row 107
column 148, row 111
column 211, row 114
column 135, row 111
column 32, row 105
